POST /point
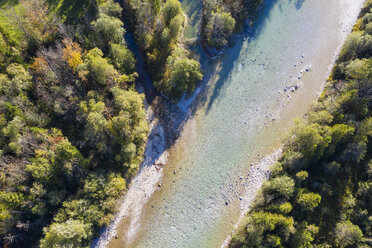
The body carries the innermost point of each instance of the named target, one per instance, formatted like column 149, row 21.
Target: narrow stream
column 240, row 115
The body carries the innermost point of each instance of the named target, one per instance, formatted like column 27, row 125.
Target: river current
column 249, row 98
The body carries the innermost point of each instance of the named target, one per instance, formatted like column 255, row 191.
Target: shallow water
column 198, row 203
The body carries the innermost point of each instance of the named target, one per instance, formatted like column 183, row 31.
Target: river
column 243, row 107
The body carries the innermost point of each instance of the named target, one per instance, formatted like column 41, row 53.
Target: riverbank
column 229, row 122
column 321, row 176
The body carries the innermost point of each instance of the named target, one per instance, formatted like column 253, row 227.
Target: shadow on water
column 298, row 4
column 228, row 64
column 193, row 9
column 170, row 116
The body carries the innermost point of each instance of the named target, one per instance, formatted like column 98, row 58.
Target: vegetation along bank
column 320, row 191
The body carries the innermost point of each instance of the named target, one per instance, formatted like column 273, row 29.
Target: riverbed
column 248, row 100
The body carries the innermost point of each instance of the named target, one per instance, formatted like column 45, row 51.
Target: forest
column 319, row 193
column 73, row 128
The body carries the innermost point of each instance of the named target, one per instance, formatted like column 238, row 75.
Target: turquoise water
column 198, row 203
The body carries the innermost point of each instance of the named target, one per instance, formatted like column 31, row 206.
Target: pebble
column 226, row 203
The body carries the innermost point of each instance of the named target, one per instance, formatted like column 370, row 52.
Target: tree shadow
column 73, row 11
column 193, row 9
column 8, row 2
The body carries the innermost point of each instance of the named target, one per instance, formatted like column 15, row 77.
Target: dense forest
column 72, row 125
column 320, row 191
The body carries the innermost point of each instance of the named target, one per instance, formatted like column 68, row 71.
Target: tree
column 108, row 30
column 302, row 176
column 261, row 225
column 98, row 68
column 304, row 235
column 20, row 80
column 175, row 26
column 110, row 8
column 219, row 28
column 122, row 58
column 72, row 53
column 183, row 74
column 72, row 233
column 359, row 69
column 311, row 140
column 170, row 9
column 346, row 233
column 309, row 201
column 280, row 186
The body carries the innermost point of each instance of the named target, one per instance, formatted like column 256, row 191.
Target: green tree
column 346, row 233
column 304, row 235
column 72, row 233
column 111, row 8
column 98, row 68
column 122, row 58
column 184, row 74
column 309, row 201
column 170, row 9
column 280, row 186
column 219, row 28
column 108, row 30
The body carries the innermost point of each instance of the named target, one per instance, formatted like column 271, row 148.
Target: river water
column 239, row 115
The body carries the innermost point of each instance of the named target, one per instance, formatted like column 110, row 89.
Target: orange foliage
column 40, row 66
column 72, row 53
